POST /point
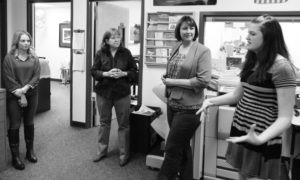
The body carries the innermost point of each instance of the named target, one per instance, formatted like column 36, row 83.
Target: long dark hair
column 273, row 44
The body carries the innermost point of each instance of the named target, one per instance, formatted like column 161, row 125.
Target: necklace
column 22, row 57
column 184, row 50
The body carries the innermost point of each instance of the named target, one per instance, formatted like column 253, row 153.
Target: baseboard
column 54, row 79
column 78, row 124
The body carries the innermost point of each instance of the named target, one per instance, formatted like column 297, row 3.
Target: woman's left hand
column 251, row 137
column 18, row 92
column 168, row 81
column 118, row 74
column 23, row 101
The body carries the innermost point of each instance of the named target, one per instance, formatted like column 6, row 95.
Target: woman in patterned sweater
column 265, row 99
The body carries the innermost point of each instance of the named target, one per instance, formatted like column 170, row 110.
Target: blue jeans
column 178, row 153
column 122, row 108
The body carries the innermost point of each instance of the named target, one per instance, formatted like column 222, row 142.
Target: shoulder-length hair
column 15, row 42
column 273, row 45
column 190, row 21
column 107, row 35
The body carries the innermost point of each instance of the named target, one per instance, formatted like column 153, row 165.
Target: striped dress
column 259, row 106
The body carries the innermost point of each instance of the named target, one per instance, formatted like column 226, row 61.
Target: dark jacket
column 109, row 87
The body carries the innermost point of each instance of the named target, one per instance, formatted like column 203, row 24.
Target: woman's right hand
column 18, row 92
column 111, row 73
column 206, row 103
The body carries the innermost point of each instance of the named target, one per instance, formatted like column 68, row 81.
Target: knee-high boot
column 13, row 138
column 29, row 136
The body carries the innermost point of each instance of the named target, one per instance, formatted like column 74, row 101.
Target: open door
column 49, row 25
column 128, row 21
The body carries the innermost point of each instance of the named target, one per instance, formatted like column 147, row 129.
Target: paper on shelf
column 144, row 110
column 161, row 127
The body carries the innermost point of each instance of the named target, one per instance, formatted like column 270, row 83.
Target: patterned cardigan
column 196, row 68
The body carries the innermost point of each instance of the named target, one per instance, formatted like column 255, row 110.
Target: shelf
column 160, row 30
column 155, row 64
column 160, row 36
column 158, row 22
column 157, row 56
column 163, row 39
column 158, row 46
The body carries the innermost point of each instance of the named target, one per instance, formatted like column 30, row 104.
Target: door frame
column 89, row 53
column 3, row 34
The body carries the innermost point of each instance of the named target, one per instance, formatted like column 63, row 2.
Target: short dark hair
column 190, row 21
column 107, row 35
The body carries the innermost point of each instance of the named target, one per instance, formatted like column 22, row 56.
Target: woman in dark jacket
column 114, row 69
column 21, row 74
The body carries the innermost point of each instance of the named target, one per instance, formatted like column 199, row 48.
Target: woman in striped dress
column 264, row 98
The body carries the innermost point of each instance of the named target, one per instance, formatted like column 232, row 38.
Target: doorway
column 128, row 20
column 49, row 24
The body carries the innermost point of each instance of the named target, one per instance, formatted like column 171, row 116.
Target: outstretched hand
column 251, row 137
column 205, row 105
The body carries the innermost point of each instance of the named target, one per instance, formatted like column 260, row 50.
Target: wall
column 152, row 74
column 105, row 10
column 134, row 10
column 47, row 36
column 16, row 18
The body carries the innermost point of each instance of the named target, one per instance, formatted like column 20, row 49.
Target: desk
column 295, row 129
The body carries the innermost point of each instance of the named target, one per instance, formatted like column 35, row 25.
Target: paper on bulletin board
column 78, row 39
column 78, row 62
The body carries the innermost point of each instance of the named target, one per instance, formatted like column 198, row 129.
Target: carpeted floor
column 66, row 153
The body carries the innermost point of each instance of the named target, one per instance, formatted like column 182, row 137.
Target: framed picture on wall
column 64, row 35
column 183, row 2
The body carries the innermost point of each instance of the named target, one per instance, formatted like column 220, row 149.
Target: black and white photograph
column 149, row 90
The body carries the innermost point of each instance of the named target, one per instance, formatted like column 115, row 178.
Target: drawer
column 222, row 148
column 2, row 94
column 221, row 163
column 211, row 124
column 224, row 121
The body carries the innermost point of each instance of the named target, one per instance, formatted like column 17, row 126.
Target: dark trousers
column 178, row 153
column 16, row 112
column 122, row 108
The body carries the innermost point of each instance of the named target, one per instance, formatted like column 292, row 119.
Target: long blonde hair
column 16, row 38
